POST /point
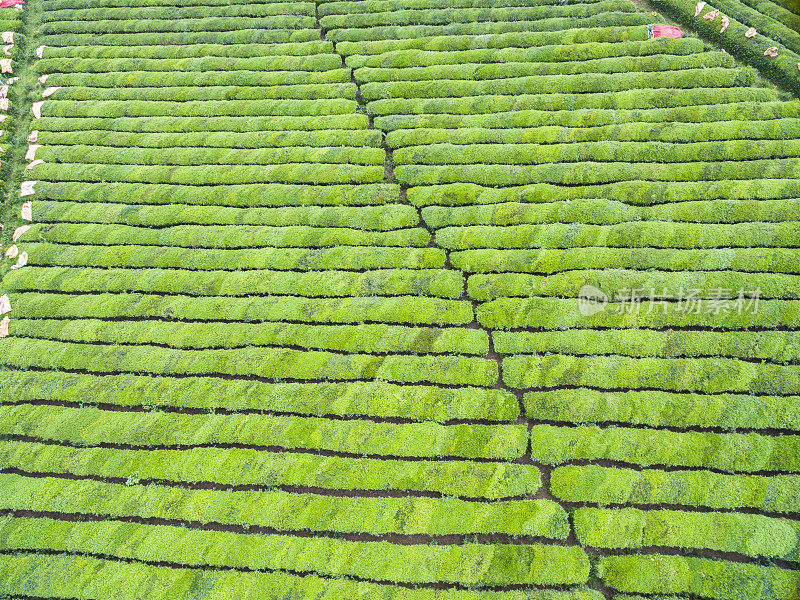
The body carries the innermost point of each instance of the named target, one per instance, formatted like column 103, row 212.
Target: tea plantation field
column 398, row 299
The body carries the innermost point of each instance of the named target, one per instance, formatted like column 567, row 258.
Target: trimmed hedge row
column 242, row 466
column 752, row 535
column 92, row 154
column 599, row 152
column 192, row 50
column 204, row 25
column 662, row 409
column 358, row 53
column 34, row 573
column 762, row 16
column 601, row 485
column 336, row 7
column 257, row 139
column 314, row 62
column 253, row 35
column 472, row 565
column 732, row 452
column 620, row 18
column 173, row 13
column 411, row 310
column 638, row 234
column 342, row 338
column 75, row 4
column 593, row 110
column 624, row 132
column 92, row 427
column 287, row 511
column 378, row 399
column 195, row 78
column 596, row 172
column 770, row 346
column 709, row 375
column 250, row 196
column 599, row 211
column 593, row 50
column 636, row 192
column 386, row 217
column 228, row 236
column 274, row 364
column 300, row 259
column 448, row 16
column 295, row 173
column 557, row 313
column 314, row 91
column 513, row 69
column 717, row 579
column 110, row 109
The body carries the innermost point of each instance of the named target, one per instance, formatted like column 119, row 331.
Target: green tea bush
column 378, row 399
column 144, row 25
column 318, row 91
column 198, row 78
column 742, row 452
column 244, row 466
column 174, row 52
column 174, row 13
column 314, row 62
column 135, row 108
column 601, row 485
column 251, row 35
column 92, row 426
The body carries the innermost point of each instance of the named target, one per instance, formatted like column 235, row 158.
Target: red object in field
column 7, row 3
column 658, row 31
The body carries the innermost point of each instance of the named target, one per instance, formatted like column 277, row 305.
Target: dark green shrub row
column 596, row 172
column 762, row 17
column 731, row 452
column 253, row 35
column 301, row 259
column 378, row 399
column 448, row 16
column 337, row 7
column 709, row 375
column 319, row 138
column 343, row 338
column 314, row 62
column 249, row 196
column 780, row 129
column 784, row 11
column 513, row 69
column 286, row 511
column 242, row 466
column 95, row 154
column 601, row 151
column 782, row 260
column 173, row 13
column 319, row 91
column 718, row 77
column 718, row 579
column 659, row 409
column 384, row 217
column 600, row 211
column 395, row 282
column 782, row 68
column 211, row 24
column 398, row 59
column 601, row 485
column 229, row 236
column 301, row 173
column 195, row 78
column 34, row 573
column 472, row 565
column 557, row 313
column 586, row 109
column 620, row 18
column 275, row 364
column 77, row 4
column 769, row 346
column 225, row 125
column 633, row 234
column 110, row 109
column 752, row 535
column 92, row 427
column 359, row 54
column 244, row 50
column 411, row 310
column 636, row 192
